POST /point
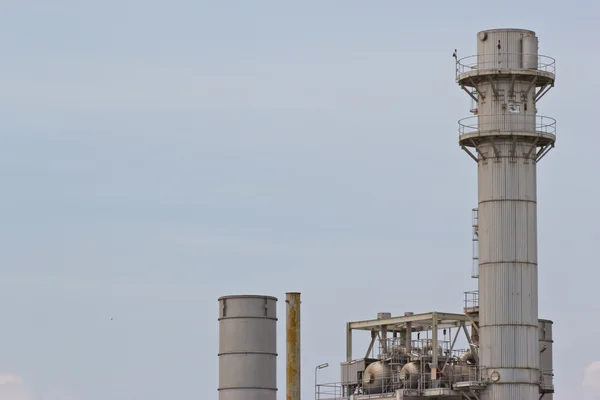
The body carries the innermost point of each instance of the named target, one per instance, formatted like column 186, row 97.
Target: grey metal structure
column 415, row 356
column 507, row 138
column 409, row 357
column 509, row 349
column 546, row 363
column 247, row 347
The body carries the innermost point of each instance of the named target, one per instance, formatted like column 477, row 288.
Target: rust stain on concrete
column 293, row 346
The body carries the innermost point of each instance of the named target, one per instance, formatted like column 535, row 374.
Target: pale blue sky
column 157, row 155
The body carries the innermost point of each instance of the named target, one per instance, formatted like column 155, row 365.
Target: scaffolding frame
column 432, row 322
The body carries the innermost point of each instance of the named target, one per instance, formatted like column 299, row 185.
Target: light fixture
column 495, row 376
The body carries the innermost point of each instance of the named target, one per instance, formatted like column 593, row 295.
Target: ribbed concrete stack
column 247, row 348
column 507, row 137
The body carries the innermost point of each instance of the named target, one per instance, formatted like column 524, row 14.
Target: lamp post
column 317, row 368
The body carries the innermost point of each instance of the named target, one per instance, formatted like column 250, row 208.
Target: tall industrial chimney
column 507, row 138
column 247, row 348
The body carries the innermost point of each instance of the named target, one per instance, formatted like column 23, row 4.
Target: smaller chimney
column 292, row 301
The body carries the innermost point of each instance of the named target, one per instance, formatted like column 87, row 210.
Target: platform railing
column 394, row 348
column 472, row 299
column 517, row 61
column 475, row 374
column 336, row 390
column 546, row 385
column 464, row 377
column 505, row 122
column 330, row 391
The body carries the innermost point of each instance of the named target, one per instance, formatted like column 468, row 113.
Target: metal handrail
column 474, row 374
column 336, row 391
column 543, row 124
column 547, row 386
column 503, row 60
column 472, row 299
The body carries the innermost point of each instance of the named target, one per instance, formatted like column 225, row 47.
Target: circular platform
column 471, row 132
column 474, row 69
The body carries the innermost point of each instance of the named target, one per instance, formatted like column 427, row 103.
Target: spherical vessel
column 247, row 348
column 376, row 377
column 410, row 375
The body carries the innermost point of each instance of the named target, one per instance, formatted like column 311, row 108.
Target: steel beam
column 444, row 320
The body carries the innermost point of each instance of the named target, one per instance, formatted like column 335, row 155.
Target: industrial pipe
column 384, row 331
column 408, row 336
column 292, row 301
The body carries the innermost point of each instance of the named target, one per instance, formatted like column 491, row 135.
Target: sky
column 157, row 155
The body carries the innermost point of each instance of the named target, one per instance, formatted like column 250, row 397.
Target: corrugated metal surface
column 493, row 113
column 509, row 54
column 509, row 294
column 510, row 346
column 511, row 392
column 247, row 348
column 508, row 274
column 509, row 342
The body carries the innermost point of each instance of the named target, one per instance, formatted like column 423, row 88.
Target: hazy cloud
column 12, row 387
column 591, row 381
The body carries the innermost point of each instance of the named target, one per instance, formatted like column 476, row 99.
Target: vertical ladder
column 475, row 224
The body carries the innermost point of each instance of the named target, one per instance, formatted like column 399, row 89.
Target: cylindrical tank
column 376, row 377
column 530, row 52
column 500, row 48
column 247, row 347
column 503, row 112
column 410, row 374
column 546, row 364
